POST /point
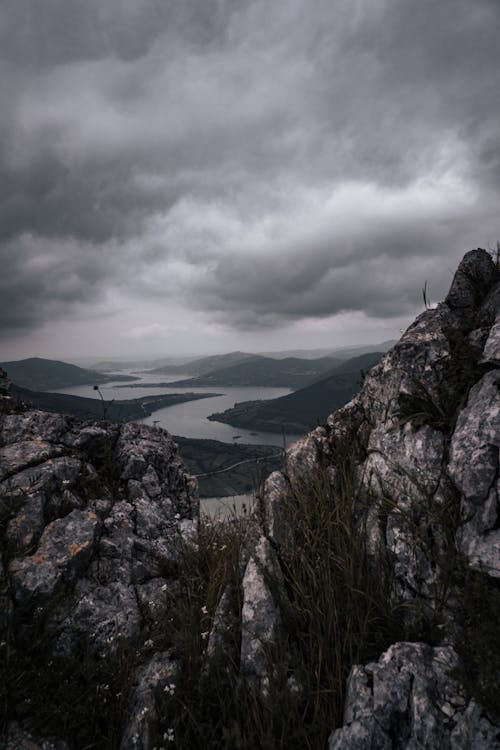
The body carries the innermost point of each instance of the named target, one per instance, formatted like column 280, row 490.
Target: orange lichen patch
column 92, row 515
column 74, row 549
column 40, row 558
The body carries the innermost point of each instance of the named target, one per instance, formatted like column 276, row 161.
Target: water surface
column 189, row 419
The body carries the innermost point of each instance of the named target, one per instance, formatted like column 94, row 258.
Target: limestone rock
column 155, row 681
column 474, row 466
column 94, row 516
column 260, row 616
column 62, row 555
column 409, row 699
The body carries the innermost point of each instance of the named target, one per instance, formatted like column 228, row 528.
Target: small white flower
column 164, row 587
column 148, row 643
column 177, row 516
column 169, row 735
column 170, row 689
column 204, row 610
column 204, row 635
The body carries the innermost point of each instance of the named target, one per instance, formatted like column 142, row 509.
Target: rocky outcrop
column 424, row 436
column 409, row 699
column 93, row 518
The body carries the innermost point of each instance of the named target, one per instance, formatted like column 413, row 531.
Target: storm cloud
column 257, row 164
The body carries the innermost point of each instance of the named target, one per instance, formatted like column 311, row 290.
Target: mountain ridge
column 40, row 374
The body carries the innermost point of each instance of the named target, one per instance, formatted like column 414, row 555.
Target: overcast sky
column 206, row 175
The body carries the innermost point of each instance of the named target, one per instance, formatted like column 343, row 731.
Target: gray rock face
column 408, row 699
column 424, row 434
column 260, row 614
column 473, row 466
column 156, row 678
column 62, row 555
column 94, row 516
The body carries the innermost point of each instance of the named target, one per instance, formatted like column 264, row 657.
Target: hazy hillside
column 357, row 364
column 204, row 365
column 266, row 372
column 346, row 352
column 39, row 374
column 300, row 411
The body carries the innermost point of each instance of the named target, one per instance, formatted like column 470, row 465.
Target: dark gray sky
column 184, row 175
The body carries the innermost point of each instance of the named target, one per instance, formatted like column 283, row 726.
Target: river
column 189, row 419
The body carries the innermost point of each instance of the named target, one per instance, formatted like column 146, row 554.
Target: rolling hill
column 204, row 365
column 291, row 372
column 39, row 374
column 302, row 410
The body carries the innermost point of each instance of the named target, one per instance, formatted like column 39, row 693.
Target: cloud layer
column 256, row 163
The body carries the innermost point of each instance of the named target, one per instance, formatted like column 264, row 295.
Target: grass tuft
column 336, row 613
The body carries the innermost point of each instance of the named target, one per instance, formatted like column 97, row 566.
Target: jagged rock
column 491, row 351
column 94, row 517
column 155, row 681
column 409, row 699
column 220, row 628
column 474, row 466
column 62, row 555
column 260, row 616
column 472, row 281
column 424, row 481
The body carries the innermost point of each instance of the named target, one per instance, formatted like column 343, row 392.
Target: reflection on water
column 190, row 418
column 224, row 508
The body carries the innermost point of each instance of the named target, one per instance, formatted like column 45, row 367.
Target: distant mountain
column 112, row 365
column 304, row 409
column 204, row 365
column 342, row 353
column 265, row 372
column 348, row 352
column 39, row 374
column 362, row 363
